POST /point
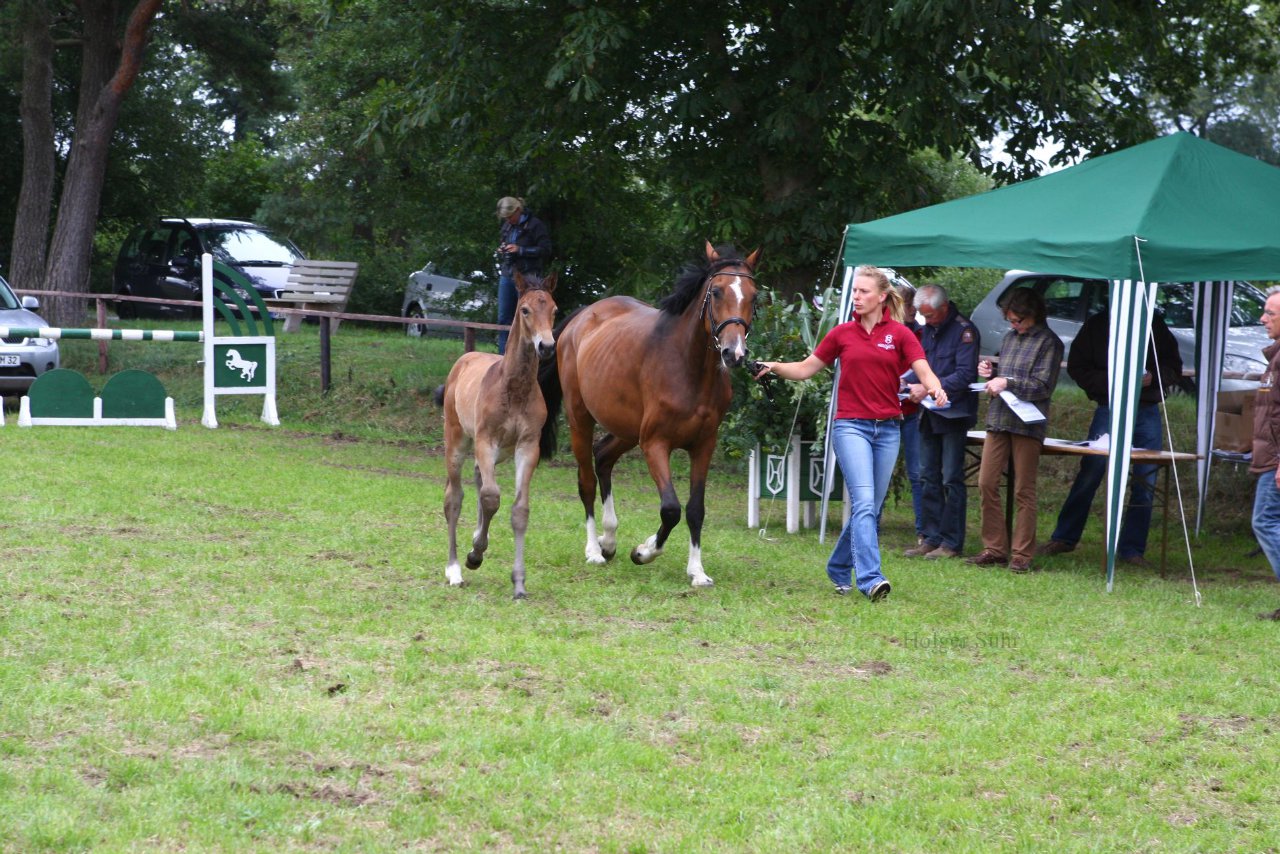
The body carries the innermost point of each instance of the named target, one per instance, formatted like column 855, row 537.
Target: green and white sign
column 239, row 365
column 792, row 474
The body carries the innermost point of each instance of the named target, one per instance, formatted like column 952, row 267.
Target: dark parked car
column 1070, row 301
column 22, row 359
column 162, row 260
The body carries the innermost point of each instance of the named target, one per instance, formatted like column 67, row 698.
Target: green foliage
column 237, row 178
column 769, row 413
column 966, row 286
column 777, row 124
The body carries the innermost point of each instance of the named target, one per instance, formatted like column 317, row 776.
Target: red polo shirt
column 871, row 365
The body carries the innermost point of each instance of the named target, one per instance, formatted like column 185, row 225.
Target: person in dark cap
column 524, row 245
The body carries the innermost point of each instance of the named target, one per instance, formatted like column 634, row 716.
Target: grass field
column 241, row 639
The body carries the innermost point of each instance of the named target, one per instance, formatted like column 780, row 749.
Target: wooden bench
column 319, row 285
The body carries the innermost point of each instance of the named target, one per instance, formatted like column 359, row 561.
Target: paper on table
column 1026, row 411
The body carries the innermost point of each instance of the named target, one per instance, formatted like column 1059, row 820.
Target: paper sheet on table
column 1026, row 411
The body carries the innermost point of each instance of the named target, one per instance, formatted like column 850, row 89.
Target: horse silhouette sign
column 239, row 365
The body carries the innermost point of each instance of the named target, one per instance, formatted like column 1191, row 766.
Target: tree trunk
column 35, row 199
column 72, row 245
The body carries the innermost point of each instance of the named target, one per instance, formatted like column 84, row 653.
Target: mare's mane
column 689, row 281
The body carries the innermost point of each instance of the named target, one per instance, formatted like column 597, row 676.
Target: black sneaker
column 880, row 590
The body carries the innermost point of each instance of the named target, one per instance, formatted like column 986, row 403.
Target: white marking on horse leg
column 609, row 522
column 647, row 552
column 594, row 555
column 697, row 577
column 453, row 574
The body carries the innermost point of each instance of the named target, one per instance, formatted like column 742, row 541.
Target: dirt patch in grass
column 385, row 471
column 328, row 793
column 1218, row 727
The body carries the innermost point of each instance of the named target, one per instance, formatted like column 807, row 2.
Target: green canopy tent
column 1177, row 208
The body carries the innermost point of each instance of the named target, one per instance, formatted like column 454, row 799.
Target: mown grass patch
column 241, row 639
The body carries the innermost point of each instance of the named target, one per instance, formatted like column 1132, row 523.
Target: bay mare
column 657, row 378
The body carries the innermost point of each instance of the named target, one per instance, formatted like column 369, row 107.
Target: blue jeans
column 911, row 461
column 1266, row 518
column 945, row 495
column 867, row 451
column 1147, row 433
column 507, row 299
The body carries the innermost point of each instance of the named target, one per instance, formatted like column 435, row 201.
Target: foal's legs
column 488, row 501
column 454, row 455
column 526, row 459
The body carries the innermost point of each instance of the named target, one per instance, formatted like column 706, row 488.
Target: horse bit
column 717, row 328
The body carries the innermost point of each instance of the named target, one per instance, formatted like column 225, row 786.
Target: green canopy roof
column 1198, row 211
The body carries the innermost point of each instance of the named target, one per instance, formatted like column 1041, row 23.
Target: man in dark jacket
column 951, row 345
column 1087, row 366
column 524, row 245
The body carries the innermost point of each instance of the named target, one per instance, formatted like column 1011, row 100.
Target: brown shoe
column 1270, row 615
column 920, row 549
column 1135, row 560
column 941, row 552
column 1055, row 547
column 1020, row 565
column 988, row 557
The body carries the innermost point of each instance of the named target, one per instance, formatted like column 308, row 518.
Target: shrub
column 768, row 413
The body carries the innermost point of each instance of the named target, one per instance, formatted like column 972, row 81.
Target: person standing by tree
column 875, row 349
column 524, row 245
column 1030, row 358
column 1266, row 444
column 951, row 345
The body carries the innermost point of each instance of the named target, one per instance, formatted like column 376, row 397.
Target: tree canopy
column 385, row 130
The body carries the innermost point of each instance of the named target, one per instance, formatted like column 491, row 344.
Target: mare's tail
column 552, row 394
column 438, row 396
column 549, row 382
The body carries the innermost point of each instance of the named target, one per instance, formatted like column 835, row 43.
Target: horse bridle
column 717, row 328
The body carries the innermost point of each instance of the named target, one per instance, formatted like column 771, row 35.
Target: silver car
column 1069, row 301
column 430, row 294
column 22, row 359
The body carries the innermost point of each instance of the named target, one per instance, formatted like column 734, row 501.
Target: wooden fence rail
column 468, row 327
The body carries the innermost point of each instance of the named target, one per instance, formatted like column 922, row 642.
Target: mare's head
column 536, row 312
column 729, row 303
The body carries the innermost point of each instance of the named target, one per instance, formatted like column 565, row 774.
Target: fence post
column 324, row 355
column 102, row 345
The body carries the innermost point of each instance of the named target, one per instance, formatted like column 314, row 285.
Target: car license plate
column 8, row 360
